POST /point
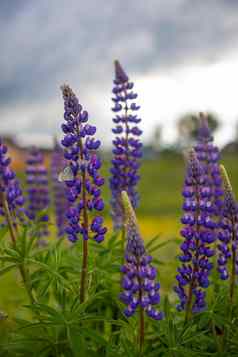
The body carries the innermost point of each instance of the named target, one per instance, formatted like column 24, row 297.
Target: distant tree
column 188, row 125
column 156, row 140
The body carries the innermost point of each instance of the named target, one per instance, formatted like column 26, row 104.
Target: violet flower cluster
column 59, row 199
column 139, row 284
column 82, row 175
column 199, row 234
column 9, row 186
column 228, row 231
column 127, row 145
column 37, row 188
column 209, row 156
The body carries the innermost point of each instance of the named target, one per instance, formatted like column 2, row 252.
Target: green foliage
column 51, row 322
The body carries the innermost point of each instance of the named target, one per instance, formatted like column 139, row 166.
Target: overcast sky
column 181, row 54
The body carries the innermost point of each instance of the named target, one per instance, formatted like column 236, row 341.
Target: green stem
column 83, row 284
column 141, row 330
column 13, row 235
column 188, row 312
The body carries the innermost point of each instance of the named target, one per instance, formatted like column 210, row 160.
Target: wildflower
column 127, row 149
column 228, row 234
column 198, row 233
column 82, row 173
column 82, row 179
column 59, row 190
column 140, row 288
column 9, row 187
column 38, row 191
column 209, row 156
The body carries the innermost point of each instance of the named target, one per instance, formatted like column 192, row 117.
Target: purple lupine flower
column 60, row 202
column 127, row 149
column 82, row 175
column 10, row 186
column 37, row 188
column 198, row 233
column 228, row 232
column 139, row 284
column 209, row 156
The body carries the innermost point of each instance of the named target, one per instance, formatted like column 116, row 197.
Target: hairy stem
column 188, row 311
column 83, row 283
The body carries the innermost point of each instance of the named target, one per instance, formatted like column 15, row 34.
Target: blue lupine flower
column 10, row 186
column 140, row 287
column 199, row 234
column 37, row 188
column 82, row 175
column 209, row 156
column 60, row 201
column 127, row 149
column 228, row 231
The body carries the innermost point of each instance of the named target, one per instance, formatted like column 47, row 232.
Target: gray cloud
column 48, row 42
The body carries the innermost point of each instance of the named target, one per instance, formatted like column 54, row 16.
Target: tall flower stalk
column 228, row 236
column 198, row 233
column 209, row 156
column 82, row 179
column 141, row 291
column 60, row 202
column 11, row 205
column 127, row 149
column 37, row 190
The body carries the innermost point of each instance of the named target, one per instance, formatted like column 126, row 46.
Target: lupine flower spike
column 82, row 177
column 198, row 233
column 38, row 191
column 209, row 156
column 127, row 145
column 60, row 202
column 11, row 198
column 140, row 288
column 11, row 206
column 228, row 235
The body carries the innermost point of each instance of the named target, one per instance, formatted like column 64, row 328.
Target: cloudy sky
column 181, row 54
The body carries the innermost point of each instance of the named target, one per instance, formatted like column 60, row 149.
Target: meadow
column 159, row 214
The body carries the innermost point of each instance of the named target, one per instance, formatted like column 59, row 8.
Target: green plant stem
column 13, row 235
column 219, row 343
column 84, row 271
column 9, row 219
column 188, row 311
column 141, row 330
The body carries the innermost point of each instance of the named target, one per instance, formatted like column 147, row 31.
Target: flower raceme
column 37, row 188
column 198, row 233
column 9, row 186
column 140, row 288
column 59, row 191
column 127, row 149
column 228, row 234
column 209, row 156
column 82, row 173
